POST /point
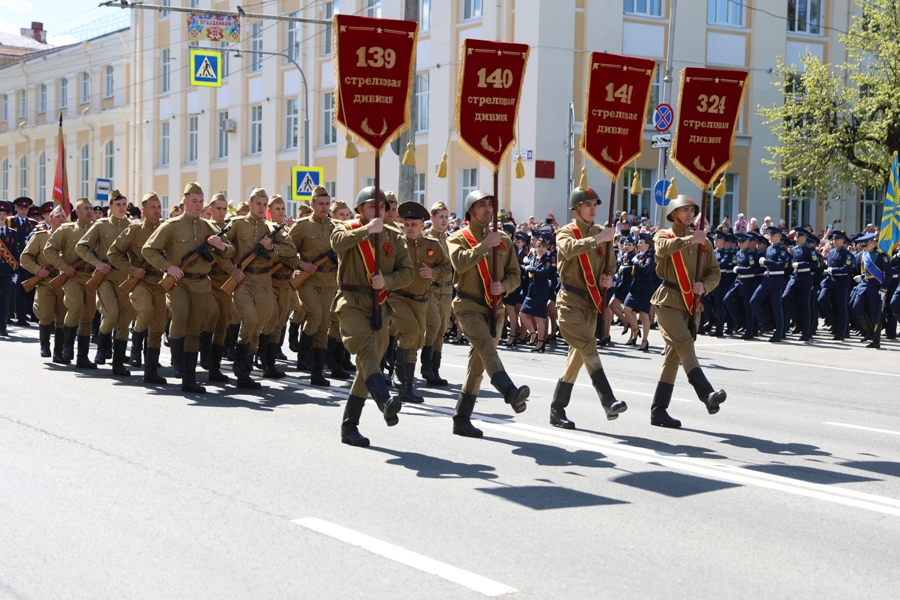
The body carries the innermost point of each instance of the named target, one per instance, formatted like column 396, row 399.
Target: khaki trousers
column 148, row 299
column 368, row 346
column 116, row 311
column 254, row 302
column 578, row 324
column 317, row 303
column 673, row 325
column 81, row 303
column 438, row 318
column 49, row 305
column 188, row 302
column 408, row 318
column 476, row 324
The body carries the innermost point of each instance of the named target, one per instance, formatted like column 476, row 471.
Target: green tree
column 839, row 124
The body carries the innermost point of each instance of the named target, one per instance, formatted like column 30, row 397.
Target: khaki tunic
column 80, row 300
column 440, row 296
column 49, row 305
column 221, row 313
column 116, row 311
column 312, row 236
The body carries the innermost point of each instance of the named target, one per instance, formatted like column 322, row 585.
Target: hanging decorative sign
column 214, row 28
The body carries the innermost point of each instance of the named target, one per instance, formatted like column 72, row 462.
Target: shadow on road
column 764, row 446
column 547, row 497
column 658, row 446
column 553, row 456
column 673, row 484
column 437, row 468
column 811, row 474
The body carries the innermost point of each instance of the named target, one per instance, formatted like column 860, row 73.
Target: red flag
column 61, row 181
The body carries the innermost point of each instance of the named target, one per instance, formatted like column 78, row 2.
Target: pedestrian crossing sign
column 305, row 180
column 206, row 68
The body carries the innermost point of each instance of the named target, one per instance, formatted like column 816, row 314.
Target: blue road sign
column 104, row 186
column 659, row 191
column 662, row 117
column 205, row 68
column 305, row 179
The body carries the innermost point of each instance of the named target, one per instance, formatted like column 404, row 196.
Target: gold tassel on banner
column 350, row 151
column 720, row 190
column 673, row 191
column 636, row 188
column 409, row 157
column 520, row 168
column 583, row 182
column 442, row 168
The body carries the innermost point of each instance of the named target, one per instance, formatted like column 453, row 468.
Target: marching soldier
column 766, row 300
column 23, row 226
column 79, row 299
column 409, row 304
column 188, row 301
column 805, row 261
column 212, row 338
column 341, row 366
column 440, row 297
column 352, row 242
column 281, row 286
column 873, row 281
column 148, row 298
column 48, row 303
column 582, row 246
column 471, row 252
column 676, row 256
column 115, row 308
column 9, row 264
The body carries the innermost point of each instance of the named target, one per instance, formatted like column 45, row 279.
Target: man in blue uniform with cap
column 22, row 226
column 9, row 263
column 796, row 295
column 875, row 268
column 766, row 300
column 836, row 285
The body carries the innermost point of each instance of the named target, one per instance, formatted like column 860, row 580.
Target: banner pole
column 692, row 327
column 496, row 207
column 609, row 246
column 376, row 308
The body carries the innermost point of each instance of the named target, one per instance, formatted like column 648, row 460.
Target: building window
column 635, row 205
column 469, row 183
column 331, row 9
column 869, row 200
column 63, row 93
column 42, row 99
column 419, row 188
column 330, row 187
column 425, row 15
column 222, row 136
column 421, row 102
column 719, row 208
column 23, row 104
column 291, row 123
column 164, row 144
column 42, row 178
column 224, row 62
column 192, row 139
column 725, row 12
column 650, row 8
column 4, row 113
column 256, row 45
column 4, row 180
column 84, row 181
column 165, row 67
column 167, row 4
column 373, row 8
column 293, row 38
column 805, row 16
column 108, row 82
column 472, row 9
column 23, row 176
column 194, row 4
column 255, row 129
column 109, row 159
column 654, row 95
column 329, row 133
column 85, row 87
column 796, row 205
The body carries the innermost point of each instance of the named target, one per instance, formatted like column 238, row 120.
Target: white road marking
column 801, row 364
column 863, row 428
column 480, row 584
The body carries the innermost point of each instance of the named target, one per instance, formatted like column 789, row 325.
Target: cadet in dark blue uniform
column 725, row 256
column 875, row 270
column 621, row 286
column 890, row 315
column 737, row 299
column 766, row 300
column 637, row 302
column 541, row 271
column 9, row 263
column 833, row 299
column 23, row 227
column 818, row 274
column 796, row 295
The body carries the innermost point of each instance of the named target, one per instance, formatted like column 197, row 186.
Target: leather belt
column 280, row 277
column 838, row 274
column 449, row 283
column 474, row 299
column 195, row 276
column 802, row 271
column 259, row 271
column 356, row 289
column 153, row 273
column 774, row 273
column 671, row 285
column 745, row 276
column 326, row 269
column 573, row 290
column 422, row 298
column 85, row 269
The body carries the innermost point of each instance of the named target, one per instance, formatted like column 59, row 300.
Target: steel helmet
column 368, row 193
column 580, row 195
column 474, row 197
column 677, row 203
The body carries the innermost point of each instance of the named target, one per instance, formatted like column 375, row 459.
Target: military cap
column 304, row 209
column 23, row 201
column 731, row 238
column 259, row 192
column 148, row 197
column 193, row 188
column 104, row 210
column 391, row 197
column 337, row 205
column 626, row 239
column 521, row 235
column 647, row 237
column 98, row 207
column 474, row 197
column 789, row 242
column 439, row 205
column 34, row 211
column 677, row 203
column 82, row 201
column 47, row 207
column 242, row 206
column 762, row 239
column 812, row 239
column 368, row 193
column 115, row 195
column 319, row 190
column 413, row 210
column 719, row 234
column 841, row 235
column 771, row 229
column 740, row 238
column 5, row 206
column 276, row 199
column 865, row 238
column 580, row 195
column 216, row 197
column 800, row 231
column 509, row 229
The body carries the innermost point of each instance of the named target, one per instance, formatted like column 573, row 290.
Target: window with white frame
column 637, row 203
column 293, row 38
column 4, row 111
column 108, row 81
column 419, row 188
column 164, row 144
column 725, row 12
column 193, row 139
column 331, row 9
column 23, row 176
column 469, row 183
column 4, row 179
column 23, row 104
column 796, row 205
column 654, row 94
column 166, row 4
column 650, row 8
column 256, row 45
column 719, row 208
column 805, row 16
column 109, row 159
column 222, row 136
column 425, row 15
column 63, row 93
column 223, row 65
column 194, row 4
column 84, row 172
column 255, row 129
column 472, row 9
column 330, row 187
column 869, row 200
column 329, row 133
column 85, row 87
column 165, row 68
column 42, row 99
column 42, row 178
column 291, row 123
column 421, row 88
column 373, row 8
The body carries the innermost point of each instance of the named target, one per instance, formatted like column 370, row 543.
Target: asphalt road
column 109, row 489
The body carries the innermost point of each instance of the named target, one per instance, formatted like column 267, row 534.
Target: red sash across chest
column 588, row 273
column 684, row 281
column 483, row 271
column 368, row 255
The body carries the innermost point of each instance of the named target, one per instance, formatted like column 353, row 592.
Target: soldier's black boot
column 137, row 347
column 411, row 395
column 875, row 343
column 350, row 425
column 435, row 368
column 241, row 367
column 330, row 349
column 44, row 331
column 84, row 348
column 710, row 397
column 206, row 338
column 59, row 342
column 388, row 406
column 388, row 361
column 317, row 376
column 427, row 371
column 189, row 379
column 151, row 367
column 268, row 349
column 462, row 418
column 177, row 348
column 512, row 395
column 231, row 336
column 561, row 396
column 608, row 400
column 401, row 360
column 346, row 364
column 336, row 365
column 659, row 414
column 103, row 340
column 68, row 351
column 279, row 355
column 215, row 367
column 304, row 355
column 294, row 337
column 120, row 349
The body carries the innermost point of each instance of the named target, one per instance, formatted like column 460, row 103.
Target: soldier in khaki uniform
column 221, row 313
column 471, row 250
column 189, row 300
column 147, row 298
column 79, row 299
column 440, row 297
column 254, row 299
column 281, row 286
column 675, row 245
column 409, row 305
column 354, row 245
column 298, row 312
column 312, row 237
column 580, row 301
column 336, row 356
column 116, row 312
column 49, row 306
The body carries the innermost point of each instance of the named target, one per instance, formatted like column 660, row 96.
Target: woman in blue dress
column 513, row 302
column 541, row 271
column 637, row 302
column 621, row 286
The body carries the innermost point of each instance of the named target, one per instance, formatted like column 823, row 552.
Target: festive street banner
column 615, row 110
column 487, row 98
column 374, row 64
column 708, row 107
column 214, row 28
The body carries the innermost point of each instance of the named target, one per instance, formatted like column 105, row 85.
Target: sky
column 56, row 15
